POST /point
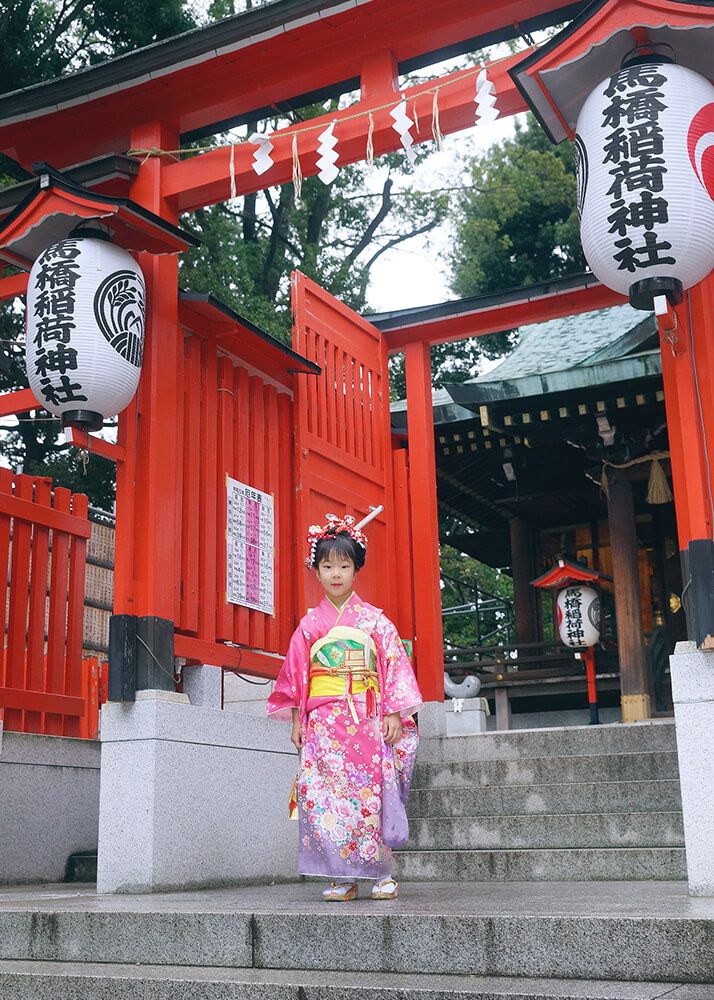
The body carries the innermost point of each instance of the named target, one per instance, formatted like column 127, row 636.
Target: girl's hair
column 343, row 546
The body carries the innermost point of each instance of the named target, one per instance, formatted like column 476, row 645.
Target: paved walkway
column 666, row 900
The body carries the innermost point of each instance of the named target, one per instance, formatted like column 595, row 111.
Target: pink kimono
column 351, row 786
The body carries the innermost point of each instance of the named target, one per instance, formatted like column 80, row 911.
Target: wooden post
column 687, row 336
column 148, row 483
column 429, row 638
column 524, row 597
column 503, row 709
column 634, row 684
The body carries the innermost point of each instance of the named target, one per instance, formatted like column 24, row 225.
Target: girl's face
column 337, row 573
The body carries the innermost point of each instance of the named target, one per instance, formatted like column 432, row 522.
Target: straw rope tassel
column 232, row 168
column 435, row 123
column 297, row 169
column 658, row 490
column 416, row 117
column 369, row 155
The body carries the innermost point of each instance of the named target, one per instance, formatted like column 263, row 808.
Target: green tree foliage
column 334, row 233
column 516, row 221
column 467, row 580
column 43, row 40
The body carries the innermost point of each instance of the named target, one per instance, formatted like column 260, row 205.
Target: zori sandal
column 386, row 888
column 340, row 892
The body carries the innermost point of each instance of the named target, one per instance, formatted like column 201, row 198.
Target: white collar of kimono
column 340, row 611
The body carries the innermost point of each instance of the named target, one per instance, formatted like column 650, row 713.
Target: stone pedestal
column 431, row 719
column 192, row 797
column 204, row 685
column 693, row 695
column 49, row 790
column 469, row 720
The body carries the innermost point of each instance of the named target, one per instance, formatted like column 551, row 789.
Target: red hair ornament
column 335, row 526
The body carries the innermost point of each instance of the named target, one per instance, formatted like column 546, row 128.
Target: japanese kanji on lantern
column 579, row 616
column 85, row 328
column 645, row 157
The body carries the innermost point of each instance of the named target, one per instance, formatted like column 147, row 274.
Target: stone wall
column 49, row 790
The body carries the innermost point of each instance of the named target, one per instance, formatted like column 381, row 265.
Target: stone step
column 549, row 770
column 578, row 797
column 638, row 829
column 632, row 931
column 639, row 737
column 632, row 864
column 48, row 980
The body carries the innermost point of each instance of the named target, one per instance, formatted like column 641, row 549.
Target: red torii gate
column 230, row 73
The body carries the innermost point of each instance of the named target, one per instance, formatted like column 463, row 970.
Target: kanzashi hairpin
column 335, row 525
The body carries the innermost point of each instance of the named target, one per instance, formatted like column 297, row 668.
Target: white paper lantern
column 85, row 329
column 646, row 177
column 579, row 616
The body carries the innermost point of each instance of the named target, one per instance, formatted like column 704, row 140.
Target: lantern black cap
column 83, row 420
column 644, row 292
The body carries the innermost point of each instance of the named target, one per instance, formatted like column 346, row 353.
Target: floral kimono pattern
column 347, row 772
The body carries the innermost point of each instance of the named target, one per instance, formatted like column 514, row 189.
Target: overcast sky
column 416, row 273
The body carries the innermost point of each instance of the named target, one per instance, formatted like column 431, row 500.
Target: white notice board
column 250, row 534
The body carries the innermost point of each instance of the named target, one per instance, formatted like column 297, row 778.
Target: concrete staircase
column 580, row 804
column 539, row 806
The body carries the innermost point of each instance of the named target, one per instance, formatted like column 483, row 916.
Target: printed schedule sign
column 249, row 547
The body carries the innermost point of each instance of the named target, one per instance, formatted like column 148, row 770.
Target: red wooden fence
column 342, row 434
column 44, row 687
column 235, row 423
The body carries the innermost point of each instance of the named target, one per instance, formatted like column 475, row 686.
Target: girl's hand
column 296, row 734
column 392, row 728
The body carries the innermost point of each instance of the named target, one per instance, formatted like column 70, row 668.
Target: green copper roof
column 562, row 344
column 604, row 347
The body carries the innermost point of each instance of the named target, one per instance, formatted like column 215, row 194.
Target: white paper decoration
column 579, row 616
column 327, row 158
column 85, row 329
column 262, row 160
column 646, row 176
column 402, row 125
column 485, row 99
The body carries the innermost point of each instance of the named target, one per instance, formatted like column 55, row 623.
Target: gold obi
column 343, row 663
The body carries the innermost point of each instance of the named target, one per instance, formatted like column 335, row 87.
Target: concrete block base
column 693, row 695
column 192, row 797
column 469, row 720
column 204, row 685
column 431, row 719
column 49, row 790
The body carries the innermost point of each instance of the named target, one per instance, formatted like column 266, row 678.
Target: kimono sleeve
column 288, row 691
column 401, row 692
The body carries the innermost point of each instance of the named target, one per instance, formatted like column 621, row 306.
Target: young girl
column 350, row 690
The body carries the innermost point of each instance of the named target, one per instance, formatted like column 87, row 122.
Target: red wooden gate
column 43, row 540
column 343, row 439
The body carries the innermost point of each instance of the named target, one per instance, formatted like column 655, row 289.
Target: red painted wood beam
column 19, row 401
column 688, row 377
column 40, row 701
column 14, row 284
column 247, row 661
column 50, row 517
column 95, row 445
column 505, row 317
column 205, row 179
column 428, row 637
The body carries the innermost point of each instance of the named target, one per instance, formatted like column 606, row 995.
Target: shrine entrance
column 177, row 439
